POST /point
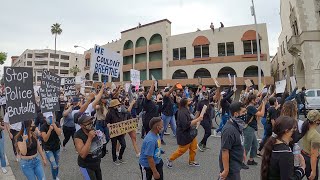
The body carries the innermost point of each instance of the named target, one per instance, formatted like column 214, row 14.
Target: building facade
column 40, row 59
column 299, row 43
column 191, row 57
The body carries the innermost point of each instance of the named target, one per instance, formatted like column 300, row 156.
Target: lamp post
column 77, row 46
column 253, row 13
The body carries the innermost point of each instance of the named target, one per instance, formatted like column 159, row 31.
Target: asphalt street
column 208, row 160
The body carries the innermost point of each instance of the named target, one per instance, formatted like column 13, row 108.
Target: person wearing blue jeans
column 50, row 132
column 2, row 154
column 225, row 103
column 168, row 112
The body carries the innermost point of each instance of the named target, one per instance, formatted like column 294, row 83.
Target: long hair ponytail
column 305, row 127
column 283, row 123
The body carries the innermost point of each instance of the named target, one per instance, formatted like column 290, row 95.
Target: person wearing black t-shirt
column 150, row 108
column 250, row 139
column 50, row 132
column 225, row 103
column 89, row 146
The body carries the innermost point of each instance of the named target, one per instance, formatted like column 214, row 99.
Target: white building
column 40, row 59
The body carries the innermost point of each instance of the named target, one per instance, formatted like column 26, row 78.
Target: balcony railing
column 294, row 45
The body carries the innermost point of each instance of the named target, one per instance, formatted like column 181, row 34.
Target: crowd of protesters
column 86, row 120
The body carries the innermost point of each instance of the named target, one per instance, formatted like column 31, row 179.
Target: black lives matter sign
column 19, row 94
column 49, row 91
column 70, row 86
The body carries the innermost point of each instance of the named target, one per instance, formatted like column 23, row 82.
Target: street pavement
column 208, row 160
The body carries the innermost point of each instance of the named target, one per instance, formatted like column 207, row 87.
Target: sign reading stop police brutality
column 70, row 86
column 49, row 91
column 19, row 94
column 105, row 61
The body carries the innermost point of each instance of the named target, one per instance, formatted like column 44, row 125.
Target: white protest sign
column 113, row 86
column 155, row 83
column 203, row 111
column 229, row 76
column 127, row 86
column 293, row 82
column 135, row 77
column 234, row 82
column 281, row 86
column 105, row 61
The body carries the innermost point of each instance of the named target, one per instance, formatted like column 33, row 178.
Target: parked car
column 313, row 98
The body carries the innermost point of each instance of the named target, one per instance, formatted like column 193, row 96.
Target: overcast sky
column 25, row 24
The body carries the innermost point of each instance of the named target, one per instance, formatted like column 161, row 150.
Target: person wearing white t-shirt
column 13, row 130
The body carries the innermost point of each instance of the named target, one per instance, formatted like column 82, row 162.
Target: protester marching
column 41, row 123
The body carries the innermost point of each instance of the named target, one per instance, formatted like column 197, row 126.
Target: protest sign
column 155, row 83
column 293, row 82
column 234, row 82
column 127, row 86
column 122, row 127
column 49, row 91
column 113, row 86
column 106, row 62
column 135, row 77
column 70, row 86
column 216, row 82
column 281, row 86
column 229, row 76
column 248, row 82
column 19, row 94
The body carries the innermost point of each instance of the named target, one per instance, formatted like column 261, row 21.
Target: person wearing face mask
column 150, row 162
column 89, row 146
column 186, row 134
column 29, row 149
column 278, row 159
column 231, row 153
column 206, row 123
column 50, row 133
column 311, row 144
column 225, row 103
column 117, row 114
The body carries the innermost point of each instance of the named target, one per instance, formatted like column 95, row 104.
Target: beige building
column 60, row 63
column 299, row 43
column 191, row 57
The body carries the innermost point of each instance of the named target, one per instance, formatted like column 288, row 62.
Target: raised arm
column 98, row 97
column 151, row 90
column 171, row 90
column 86, row 104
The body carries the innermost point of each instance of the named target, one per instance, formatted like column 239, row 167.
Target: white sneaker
column 138, row 155
column 57, row 178
column 4, row 170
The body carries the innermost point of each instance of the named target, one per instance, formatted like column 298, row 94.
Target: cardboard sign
column 49, row 91
column 281, row 86
column 135, row 77
column 293, row 82
column 70, row 86
column 19, row 94
column 248, row 82
column 123, row 127
column 106, row 62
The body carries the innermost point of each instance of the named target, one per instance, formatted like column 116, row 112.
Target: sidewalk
column 9, row 175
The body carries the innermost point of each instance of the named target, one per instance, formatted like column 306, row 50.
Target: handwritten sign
column 19, row 94
column 281, row 86
column 293, row 82
column 70, row 86
column 105, row 61
column 49, row 91
column 135, row 77
column 123, row 127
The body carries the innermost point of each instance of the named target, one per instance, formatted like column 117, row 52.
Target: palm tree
column 3, row 57
column 55, row 30
column 75, row 70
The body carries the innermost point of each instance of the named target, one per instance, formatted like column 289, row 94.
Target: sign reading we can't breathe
column 105, row 61
column 19, row 94
column 49, row 91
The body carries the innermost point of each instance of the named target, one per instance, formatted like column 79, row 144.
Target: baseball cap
column 313, row 115
column 84, row 118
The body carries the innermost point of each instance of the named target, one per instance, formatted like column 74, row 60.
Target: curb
column 9, row 175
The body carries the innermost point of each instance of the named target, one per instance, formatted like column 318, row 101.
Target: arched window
column 141, row 42
column 202, row 73
column 155, row 39
column 201, row 47
column 95, row 77
column 128, row 45
column 252, row 71
column 180, row 74
column 250, row 42
column 225, row 71
column 87, row 76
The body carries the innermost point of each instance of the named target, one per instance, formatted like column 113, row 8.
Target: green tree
column 3, row 57
column 55, row 30
column 75, row 70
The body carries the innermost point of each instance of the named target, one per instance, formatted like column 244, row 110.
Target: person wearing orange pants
column 186, row 134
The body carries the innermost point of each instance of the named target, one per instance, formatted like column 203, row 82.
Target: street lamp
column 253, row 13
column 77, row 46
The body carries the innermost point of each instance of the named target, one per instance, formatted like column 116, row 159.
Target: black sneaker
column 163, row 143
column 244, row 166
column 252, row 163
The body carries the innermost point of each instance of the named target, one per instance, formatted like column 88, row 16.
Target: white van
column 313, row 98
